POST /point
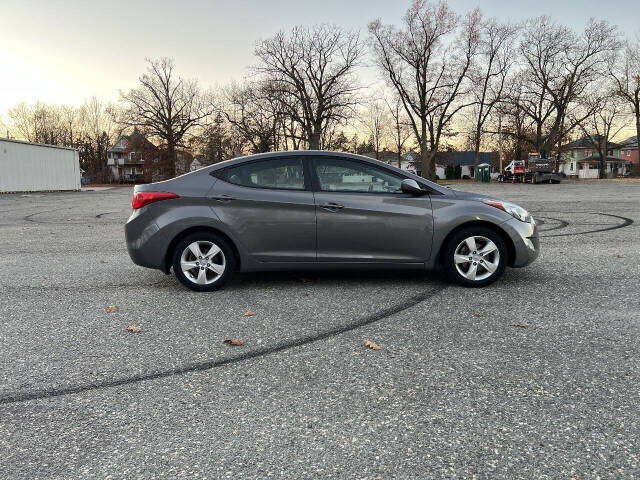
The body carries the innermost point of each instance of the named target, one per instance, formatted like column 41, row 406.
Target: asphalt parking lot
column 536, row 376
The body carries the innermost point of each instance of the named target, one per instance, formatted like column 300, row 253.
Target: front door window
column 341, row 175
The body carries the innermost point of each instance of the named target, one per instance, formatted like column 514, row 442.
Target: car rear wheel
column 475, row 257
column 203, row 261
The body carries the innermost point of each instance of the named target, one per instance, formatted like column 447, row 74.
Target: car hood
column 473, row 196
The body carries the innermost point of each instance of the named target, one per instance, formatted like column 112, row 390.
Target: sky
column 64, row 51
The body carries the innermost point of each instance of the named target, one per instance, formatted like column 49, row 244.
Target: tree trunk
column 476, row 158
column 428, row 162
column 314, row 137
column 171, row 161
column 603, row 162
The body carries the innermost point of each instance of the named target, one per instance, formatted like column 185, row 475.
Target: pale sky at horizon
column 64, row 51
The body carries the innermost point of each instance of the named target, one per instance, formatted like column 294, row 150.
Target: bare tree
column 254, row 110
column 490, row 75
column 165, row 106
column 375, row 120
column 314, row 68
column 559, row 67
column 626, row 77
column 96, row 132
column 427, row 69
column 400, row 128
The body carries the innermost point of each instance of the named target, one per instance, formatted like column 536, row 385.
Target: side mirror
column 411, row 186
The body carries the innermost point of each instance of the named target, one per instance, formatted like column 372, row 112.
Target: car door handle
column 222, row 198
column 332, row 207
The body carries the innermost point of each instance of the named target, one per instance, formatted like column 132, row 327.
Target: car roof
column 319, row 153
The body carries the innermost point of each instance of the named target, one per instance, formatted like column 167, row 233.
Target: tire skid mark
column 625, row 223
column 414, row 300
column 562, row 224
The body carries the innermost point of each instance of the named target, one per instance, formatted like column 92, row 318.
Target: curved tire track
column 208, row 365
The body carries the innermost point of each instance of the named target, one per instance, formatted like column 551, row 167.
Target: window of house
column 132, row 155
column 286, row 173
column 342, row 175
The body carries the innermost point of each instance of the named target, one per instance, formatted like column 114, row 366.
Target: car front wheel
column 475, row 257
column 203, row 261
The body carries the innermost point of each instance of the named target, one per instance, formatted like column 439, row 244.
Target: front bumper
column 525, row 239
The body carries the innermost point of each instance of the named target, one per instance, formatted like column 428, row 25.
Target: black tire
column 449, row 250
column 228, row 256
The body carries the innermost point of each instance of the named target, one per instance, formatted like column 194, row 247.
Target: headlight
column 512, row 209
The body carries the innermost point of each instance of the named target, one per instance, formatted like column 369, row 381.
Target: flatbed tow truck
column 533, row 170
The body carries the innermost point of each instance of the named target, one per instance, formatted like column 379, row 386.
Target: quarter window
column 341, row 175
column 286, row 173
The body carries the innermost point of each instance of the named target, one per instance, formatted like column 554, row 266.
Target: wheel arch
column 511, row 249
column 168, row 256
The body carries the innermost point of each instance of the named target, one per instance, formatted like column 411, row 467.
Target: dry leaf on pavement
column 519, row 325
column 112, row 308
column 236, row 342
column 249, row 313
column 134, row 329
column 371, row 345
column 476, row 314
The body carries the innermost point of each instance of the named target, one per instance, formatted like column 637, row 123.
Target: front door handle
column 222, row 198
column 332, row 207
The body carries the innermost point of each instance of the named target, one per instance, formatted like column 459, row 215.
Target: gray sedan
column 321, row 210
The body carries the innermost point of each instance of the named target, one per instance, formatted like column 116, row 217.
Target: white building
column 32, row 167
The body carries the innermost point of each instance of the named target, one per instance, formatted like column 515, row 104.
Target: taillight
column 140, row 199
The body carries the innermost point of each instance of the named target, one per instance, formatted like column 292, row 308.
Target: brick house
column 126, row 158
column 629, row 152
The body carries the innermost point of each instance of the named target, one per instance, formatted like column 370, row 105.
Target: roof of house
column 466, row 158
column 629, row 143
column 586, row 142
column 124, row 140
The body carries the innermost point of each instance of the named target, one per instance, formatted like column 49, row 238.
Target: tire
column 219, row 267
column 456, row 252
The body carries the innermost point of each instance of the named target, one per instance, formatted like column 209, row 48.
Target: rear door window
column 284, row 174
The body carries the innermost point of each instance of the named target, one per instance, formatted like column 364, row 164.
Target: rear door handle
column 222, row 198
column 332, row 207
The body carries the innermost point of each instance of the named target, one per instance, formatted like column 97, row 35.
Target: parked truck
column 533, row 170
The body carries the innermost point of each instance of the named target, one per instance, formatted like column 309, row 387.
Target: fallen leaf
column 133, row 329
column 236, row 342
column 371, row 345
column 249, row 313
column 519, row 325
column 619, row 256
column 476, row 314
column 112, row 309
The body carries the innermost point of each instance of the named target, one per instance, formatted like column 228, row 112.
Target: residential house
column 411, row 162
column 198, row 163
column 466, row 161
column 629, row 153
column 126, row 158
column 579, row 159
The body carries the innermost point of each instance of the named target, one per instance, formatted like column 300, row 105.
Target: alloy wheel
column 202, row 262
column 476, row 258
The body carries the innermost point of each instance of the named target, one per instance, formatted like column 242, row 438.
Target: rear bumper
column 145, row 243
column 525, row 240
